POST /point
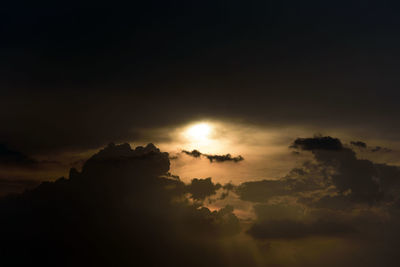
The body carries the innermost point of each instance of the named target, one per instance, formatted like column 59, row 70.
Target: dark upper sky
column 81, row 77
column 244, row 86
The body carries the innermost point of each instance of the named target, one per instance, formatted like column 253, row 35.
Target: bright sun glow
column 202, row 136
column 199, row 132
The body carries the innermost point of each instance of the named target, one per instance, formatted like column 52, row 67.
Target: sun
column 199, row 132
column 201, row 135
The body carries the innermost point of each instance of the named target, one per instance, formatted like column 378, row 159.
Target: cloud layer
column 122, row 208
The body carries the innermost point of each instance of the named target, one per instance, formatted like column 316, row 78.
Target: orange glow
column 199, row 132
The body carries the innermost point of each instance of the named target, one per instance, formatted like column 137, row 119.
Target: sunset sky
column 279, row 120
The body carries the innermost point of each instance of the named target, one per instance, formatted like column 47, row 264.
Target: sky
column 200, row 133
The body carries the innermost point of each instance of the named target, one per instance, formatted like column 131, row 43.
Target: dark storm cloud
column 122, row 208
column 213, row 158
column 76, row 78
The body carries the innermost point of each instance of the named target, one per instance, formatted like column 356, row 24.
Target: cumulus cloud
column 213, row 158
column 202, row 188
column 125, row 207
column 323, row 197
column 122, row 208
column 361, row 179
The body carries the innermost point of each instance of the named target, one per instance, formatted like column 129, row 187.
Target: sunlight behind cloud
column 201, row 136
column 198, row 132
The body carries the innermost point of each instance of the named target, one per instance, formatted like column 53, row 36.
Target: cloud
column 360, row 177
column 287, row 229
column 213, row 158
column 262, row 191
column 373, row 149
column 125, row 207
column 381, row 149
column 358, row 144
column 222, row 158
column 202, row 188
column 335, row 197
column 15, row 185
column 317, row 143
column 19, row 171
column 194, row 153
column 11, row 157
column 122, row 208
column 336, row 178
column 94, row 68
column 309, row 178
column 323, row 197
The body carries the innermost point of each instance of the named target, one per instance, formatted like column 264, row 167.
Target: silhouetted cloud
column 356, row 180
column 360, row 176
column 380, row 149
column 12, row 157
column 358, row 144
column 373, row 149
column 74, row 78
column 222, row 158
column 194, row 153
column 99, row 53
column 317, row 143
column 213, row 158
column 202, row 188
column 334, row 195
column 123, row 208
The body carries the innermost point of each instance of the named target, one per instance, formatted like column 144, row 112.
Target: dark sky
column 80, row 77
column 274, row 123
